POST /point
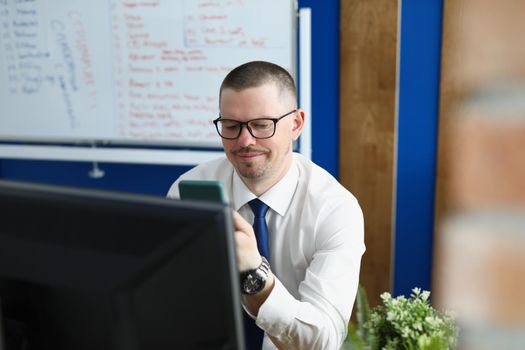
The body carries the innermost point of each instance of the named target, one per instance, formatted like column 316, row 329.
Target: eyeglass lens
column 258, row 128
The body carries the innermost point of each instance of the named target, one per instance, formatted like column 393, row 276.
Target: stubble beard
column 254, row 170
column 266, row 170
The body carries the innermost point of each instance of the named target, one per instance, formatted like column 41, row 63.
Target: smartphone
column 202, row 190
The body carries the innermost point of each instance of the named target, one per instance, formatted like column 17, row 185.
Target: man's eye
column 230, row 125
column 260, row 125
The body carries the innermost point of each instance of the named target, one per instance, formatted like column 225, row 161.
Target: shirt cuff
column 278, row 311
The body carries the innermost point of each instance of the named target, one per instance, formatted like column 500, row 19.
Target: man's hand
column 248, row 256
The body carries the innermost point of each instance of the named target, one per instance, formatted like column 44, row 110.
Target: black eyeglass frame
column 242, row 124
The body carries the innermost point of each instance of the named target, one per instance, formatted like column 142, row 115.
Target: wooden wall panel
column 367, row 127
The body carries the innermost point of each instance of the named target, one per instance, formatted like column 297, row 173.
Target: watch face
column 253, row 283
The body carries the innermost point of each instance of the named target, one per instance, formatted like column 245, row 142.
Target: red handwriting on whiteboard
column 179, row 55
column 154, row 73
column 139, row 4
column 214, row 24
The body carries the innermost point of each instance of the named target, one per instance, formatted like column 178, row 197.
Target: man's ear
column 298, row 123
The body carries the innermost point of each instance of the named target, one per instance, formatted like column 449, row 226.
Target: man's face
column 258, row 160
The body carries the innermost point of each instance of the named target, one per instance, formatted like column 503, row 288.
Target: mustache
column 249, row 150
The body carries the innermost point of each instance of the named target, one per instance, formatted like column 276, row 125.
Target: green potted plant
column 400, row 323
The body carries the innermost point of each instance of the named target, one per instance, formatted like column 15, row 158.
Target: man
column 314, row 225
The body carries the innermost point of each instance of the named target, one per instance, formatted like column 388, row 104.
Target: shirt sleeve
column 173, row 192
column 318, row 319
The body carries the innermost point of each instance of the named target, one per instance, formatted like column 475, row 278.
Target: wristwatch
column 253, row 281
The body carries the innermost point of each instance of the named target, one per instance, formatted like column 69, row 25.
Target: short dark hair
column 257, row 73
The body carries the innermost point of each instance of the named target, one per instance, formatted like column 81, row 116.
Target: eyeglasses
column 259, row 128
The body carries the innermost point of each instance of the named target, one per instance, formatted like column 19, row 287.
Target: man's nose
column 245, row 138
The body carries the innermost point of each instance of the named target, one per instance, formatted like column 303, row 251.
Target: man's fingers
column 241, row 225
column 248, row 256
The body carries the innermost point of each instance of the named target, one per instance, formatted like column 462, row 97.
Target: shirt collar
column 277, row 197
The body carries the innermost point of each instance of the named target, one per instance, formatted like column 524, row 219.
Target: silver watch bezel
column 253, row 281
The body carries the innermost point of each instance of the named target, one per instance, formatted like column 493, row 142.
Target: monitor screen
column 83, row 269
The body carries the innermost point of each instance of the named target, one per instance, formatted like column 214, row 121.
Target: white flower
column 386, row 296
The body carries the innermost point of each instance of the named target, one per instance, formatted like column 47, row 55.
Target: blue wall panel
column 325, row 83
column 416, row 142
column 148, row 179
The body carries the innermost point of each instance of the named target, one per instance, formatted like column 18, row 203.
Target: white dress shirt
column 316, row 240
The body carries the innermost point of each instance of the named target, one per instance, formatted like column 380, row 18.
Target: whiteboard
column 126, row 71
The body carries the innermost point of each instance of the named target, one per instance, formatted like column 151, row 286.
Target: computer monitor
column 83, row 269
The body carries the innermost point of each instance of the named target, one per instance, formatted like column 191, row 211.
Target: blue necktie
column 259, row 226
column 253, row 334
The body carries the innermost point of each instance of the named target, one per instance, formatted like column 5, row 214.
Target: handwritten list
column 121, row 70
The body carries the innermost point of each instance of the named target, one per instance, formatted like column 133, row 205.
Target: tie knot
column 258, row 207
